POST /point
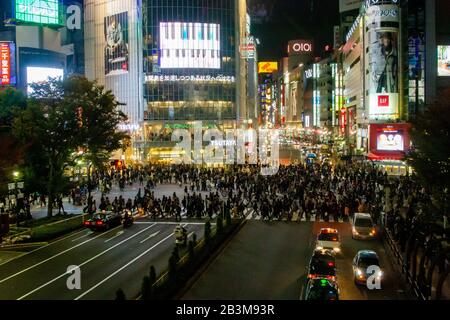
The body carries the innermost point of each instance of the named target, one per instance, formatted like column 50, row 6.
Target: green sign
column 39, row 11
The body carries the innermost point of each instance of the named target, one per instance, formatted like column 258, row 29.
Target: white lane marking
column 171, row 223
column 151, row 236
column 49, row 244
column 51, row 258
column 85, row 262
column 117, row 234
column 123, row 267
column 87, row 234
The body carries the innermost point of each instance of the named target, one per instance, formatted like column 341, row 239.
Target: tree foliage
column 63, row 116
column 430, row 156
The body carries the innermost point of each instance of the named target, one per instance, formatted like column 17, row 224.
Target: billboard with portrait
column 382, row 44
column 444, row 61
column 116, row 44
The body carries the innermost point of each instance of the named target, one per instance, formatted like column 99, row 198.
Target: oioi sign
column 297, row 47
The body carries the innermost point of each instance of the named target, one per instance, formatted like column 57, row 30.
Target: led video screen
column 39, row 74
column 189, row 45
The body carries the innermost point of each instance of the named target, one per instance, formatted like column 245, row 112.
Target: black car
column 322, row 289
column 322, row 265
column 103, row 221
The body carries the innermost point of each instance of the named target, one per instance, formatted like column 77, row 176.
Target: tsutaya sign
column 297, row 47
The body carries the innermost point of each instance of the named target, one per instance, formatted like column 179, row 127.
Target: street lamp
column 16, row 174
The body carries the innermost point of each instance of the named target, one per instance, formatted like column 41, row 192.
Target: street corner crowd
column 322, row 191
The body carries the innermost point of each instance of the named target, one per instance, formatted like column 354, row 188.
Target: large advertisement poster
column 382, row 45
column 116, row 48
column 444, row 61
column 189, row 45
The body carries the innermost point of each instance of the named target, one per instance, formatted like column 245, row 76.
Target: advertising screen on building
column 116, row 46
column 189, row 45
column 8, row 63
column 40, row 74
column 39, row 11
column 389, row 140
column 267, row 67
column 444, row 61
column 382, row 42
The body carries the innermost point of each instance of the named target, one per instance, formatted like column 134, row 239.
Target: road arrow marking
column 151, row 236
column 117, row 234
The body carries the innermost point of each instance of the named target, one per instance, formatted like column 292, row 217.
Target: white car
column 328, row 239
column 363, row 226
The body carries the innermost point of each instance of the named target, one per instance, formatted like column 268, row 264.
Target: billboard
column 8, row 63
column 116, row 47
column 383, row 48
column 348, row 5
column 443, row 61
column 267, row 67
column 297, row 47
column 189, row 45
column 41, row 74
column 46, row 12
column 389, row 140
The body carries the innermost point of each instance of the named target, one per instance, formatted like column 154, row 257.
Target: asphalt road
column 268, row 260
column 118, row 258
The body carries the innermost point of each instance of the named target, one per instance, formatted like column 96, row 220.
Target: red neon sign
column 5, row 63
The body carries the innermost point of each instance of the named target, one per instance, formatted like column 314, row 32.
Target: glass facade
column 189, row 53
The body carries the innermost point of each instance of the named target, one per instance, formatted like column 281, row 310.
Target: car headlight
column 359, row 272
column 372, row 232
column 319, row 248
column 337, row 249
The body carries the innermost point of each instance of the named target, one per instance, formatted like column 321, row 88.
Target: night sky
column 294, row 19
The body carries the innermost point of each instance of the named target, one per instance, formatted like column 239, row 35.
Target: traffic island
column 182, row 271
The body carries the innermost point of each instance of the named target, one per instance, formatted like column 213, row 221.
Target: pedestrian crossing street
column 295, row 218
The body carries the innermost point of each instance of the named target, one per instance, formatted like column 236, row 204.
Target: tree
column 120, row 295
column 146, row 288
column 99, row 115
column 48, row 125
column 62, row 117
column 11, row 100
column 207, row 231
column 430, row 156
column 219, row 224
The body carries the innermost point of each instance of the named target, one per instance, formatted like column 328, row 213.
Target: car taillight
column 86, row 223
column 330, row 264
column 100, row 222
column 312, row 276
column 330, row 278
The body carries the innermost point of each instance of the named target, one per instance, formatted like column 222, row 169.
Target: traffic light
column 79, row 115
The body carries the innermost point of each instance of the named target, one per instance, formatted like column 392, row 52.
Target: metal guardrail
column 401, row 261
